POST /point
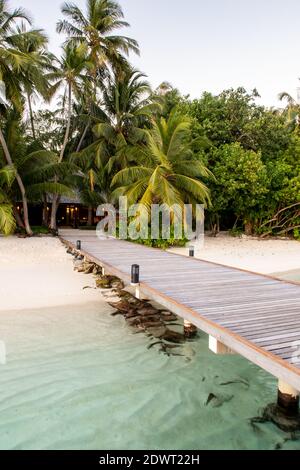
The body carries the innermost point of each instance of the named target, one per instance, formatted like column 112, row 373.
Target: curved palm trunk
column 83, row 136
column 68, row 124
column 54, row 207
column 31, row 115
column 20, row 184
column 56, row 197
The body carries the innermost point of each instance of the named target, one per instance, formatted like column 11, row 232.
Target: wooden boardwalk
column 256, row 316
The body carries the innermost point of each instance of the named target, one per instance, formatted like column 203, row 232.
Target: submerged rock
column 273, row 413
column 140, row 315
column 173, row 336
column 109, row 282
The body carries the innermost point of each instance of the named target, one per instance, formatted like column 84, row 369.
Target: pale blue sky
column 208, row 45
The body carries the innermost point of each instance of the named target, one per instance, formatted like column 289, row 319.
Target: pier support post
column 138, row 292
column 189, row 329
column 217, row 347
column 288, row 399
column 285, row 413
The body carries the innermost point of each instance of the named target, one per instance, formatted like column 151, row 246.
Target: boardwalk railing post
column 135, row 279
column 288, row 399
column 191, row 251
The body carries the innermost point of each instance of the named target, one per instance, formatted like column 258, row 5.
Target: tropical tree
column 13, row 63
column 33, row 74
column 7, row 220
column 70, row 74
column 241, row 184
column 95, row 28
column 293, row 109
column 125, row 110
column 38, row 168
column 167, row 170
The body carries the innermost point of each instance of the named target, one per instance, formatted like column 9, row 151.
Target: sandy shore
column 262, row 256
column 37, row 272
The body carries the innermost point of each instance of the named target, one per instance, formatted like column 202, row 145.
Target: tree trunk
column 31, row 115
column 45, row 212
column 83, row 137
column 54, row 207
column 90, row 216
column 248, row 228
column 56, row 197
column 68, row 124
column 18, row 218
column 20, row 184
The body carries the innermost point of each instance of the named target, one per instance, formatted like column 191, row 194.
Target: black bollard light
column 135, row 274
column 192, row 251
column 78, row 245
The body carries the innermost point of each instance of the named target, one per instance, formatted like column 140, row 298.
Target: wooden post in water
column 189, row 329
column 288, row 399
column 217, row 347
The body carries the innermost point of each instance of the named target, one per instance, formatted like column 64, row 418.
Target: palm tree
column 39, row 169
column 96, row 29
column 12, row 64
column 7, row 220
column 33, row 75
column 293, row 108
column 126, row 109
column 167, row 170
column 71, row 74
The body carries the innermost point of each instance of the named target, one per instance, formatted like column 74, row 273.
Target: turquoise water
column 78, row 378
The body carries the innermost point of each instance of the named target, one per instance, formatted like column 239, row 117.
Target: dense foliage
column 106, row 133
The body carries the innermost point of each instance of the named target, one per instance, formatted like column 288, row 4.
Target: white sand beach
column 86, row 381
column 37, row 272
column 271, row 256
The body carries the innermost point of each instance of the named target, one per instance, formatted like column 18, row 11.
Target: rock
column 272, row 413
column 88, row 268
column 190, row 331
column 148, row 310
column 173, row 336
column 151, row 324
column 168, row 316
column 96, row 270
column 123, row 306
column 157, row 332
column 109, row 282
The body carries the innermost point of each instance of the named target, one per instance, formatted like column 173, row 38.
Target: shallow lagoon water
column 78, row 378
